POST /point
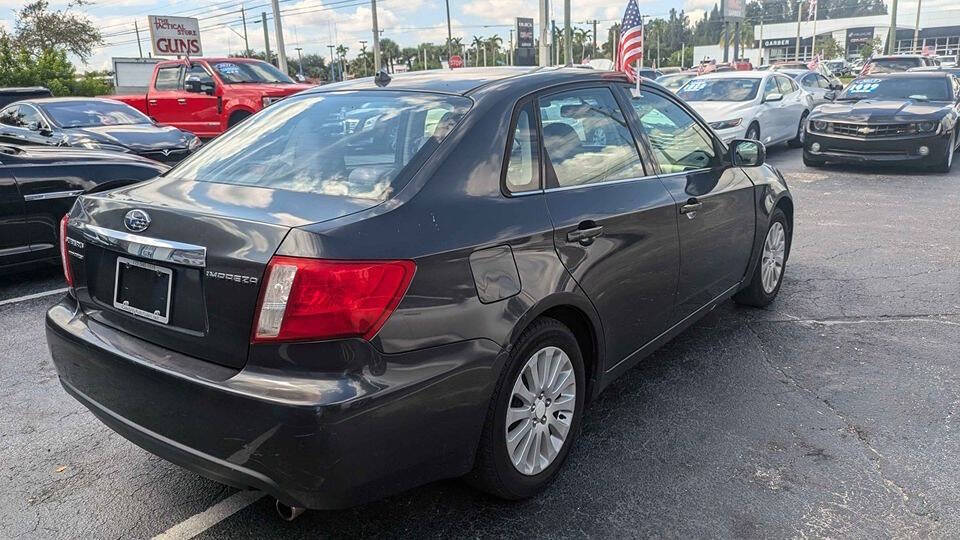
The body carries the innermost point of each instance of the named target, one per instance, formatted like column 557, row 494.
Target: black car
column 39, row 185
column 93, row 123
column 335, row 315
column 893, row 118
column 9, row 95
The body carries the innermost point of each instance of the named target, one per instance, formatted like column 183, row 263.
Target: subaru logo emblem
column 136, row 220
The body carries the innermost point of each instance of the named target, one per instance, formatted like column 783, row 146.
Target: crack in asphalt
column 875, row 455
column 872, row 319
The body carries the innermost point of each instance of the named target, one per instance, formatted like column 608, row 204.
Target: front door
column 714, row 200
column 201, row 113
column 615, row 225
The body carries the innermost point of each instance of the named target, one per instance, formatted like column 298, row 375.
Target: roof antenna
column 382, row 78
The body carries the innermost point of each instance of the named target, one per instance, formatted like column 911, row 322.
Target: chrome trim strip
column 148, row 248
column 598, row 184
column 52, row 195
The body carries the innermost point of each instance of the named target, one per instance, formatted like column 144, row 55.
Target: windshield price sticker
column 864, row 87
column 693, row 86
column 228, row 68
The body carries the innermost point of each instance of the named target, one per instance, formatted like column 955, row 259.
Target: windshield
column 78, row 114
column 350, row 144
column 915, row 88
column 250, row 72
column 888, row 65
column 675, row 81
column 720, row 90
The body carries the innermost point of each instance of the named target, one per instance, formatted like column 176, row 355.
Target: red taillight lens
column 64, row 255
column 314, row 299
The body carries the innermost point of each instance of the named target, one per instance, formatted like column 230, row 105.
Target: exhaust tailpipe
column 289, row 513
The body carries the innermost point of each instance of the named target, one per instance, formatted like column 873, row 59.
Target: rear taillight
column 315, row 299
column 64, row 255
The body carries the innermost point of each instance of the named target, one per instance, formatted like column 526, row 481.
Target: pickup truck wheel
column 236, row 118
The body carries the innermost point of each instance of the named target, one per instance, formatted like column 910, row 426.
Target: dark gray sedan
column 333, row 307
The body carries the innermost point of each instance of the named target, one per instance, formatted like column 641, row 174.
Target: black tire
column 754, row 293
column 236, row 118
column 753, row 132
column 945, row 163
column 811, row 161
column 797, row 141
column 493, row 471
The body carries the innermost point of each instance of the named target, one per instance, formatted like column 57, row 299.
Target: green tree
column 828, row 47
column 37, row 29
column 478, row 43
column 389, row 52
column 49, row 68
column 493, row 44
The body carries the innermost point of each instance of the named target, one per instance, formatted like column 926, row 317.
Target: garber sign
column 175, row 36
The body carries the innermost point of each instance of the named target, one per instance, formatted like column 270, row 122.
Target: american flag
column 630, row 48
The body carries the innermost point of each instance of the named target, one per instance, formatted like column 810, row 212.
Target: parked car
column 674, row 81
column 952, row 70
column 820, row 88
column 38, row 186
column 10, row 95
column 93, row 123
column 207, row 96
column 650, row 73
column 820, row 68
column 762, row 105
column 838, row 66
column 336, row 318
column 891, row 118
column 895, row 63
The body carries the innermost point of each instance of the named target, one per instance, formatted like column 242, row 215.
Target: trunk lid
column 207, row 243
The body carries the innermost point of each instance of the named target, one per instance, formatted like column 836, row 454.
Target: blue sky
column 313, row 24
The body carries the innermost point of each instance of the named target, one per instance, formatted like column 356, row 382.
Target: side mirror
column 836, row 87
column 33, row 126
column 747, row 153
column 773, row 97
column 197, row 86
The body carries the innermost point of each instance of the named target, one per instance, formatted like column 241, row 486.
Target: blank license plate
column 143, row 289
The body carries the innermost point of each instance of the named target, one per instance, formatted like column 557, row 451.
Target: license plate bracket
column 143, row 289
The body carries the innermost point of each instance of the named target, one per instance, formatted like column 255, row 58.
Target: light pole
column 567, row 34
column 544, row 33
column 376, row 38
column 916, row 31
column 449, row 37
column 333, row 72
column 300, row 60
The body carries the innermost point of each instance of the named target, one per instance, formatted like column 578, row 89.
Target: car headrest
column 561, row 140
column 579, row 110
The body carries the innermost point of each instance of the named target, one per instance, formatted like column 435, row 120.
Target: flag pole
column 637, row 73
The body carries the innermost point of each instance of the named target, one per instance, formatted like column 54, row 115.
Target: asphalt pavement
column 833, row 413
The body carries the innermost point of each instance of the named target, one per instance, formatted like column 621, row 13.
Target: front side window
column 523, row 161
column 198, row 73
column 350, row 144
column 678, row 142
column 770, row 87
column 586, row 138
column 168, row 78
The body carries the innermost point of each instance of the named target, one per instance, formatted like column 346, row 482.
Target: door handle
column 691, row 207
column 585, row 233
column 182, row 101
column 152, row 101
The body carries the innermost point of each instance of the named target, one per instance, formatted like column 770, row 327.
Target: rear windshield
column 350, row 144
column 720, row 90
column 77, row 114
column 888, row 65
column 915, row 88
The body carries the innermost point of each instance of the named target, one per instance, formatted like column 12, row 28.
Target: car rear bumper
column 313, row 439
column 879, row 150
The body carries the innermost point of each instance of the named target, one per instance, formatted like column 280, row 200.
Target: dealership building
column 939, row 29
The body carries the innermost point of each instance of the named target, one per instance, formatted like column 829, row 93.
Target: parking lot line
column 32, row 296
column 211, row 516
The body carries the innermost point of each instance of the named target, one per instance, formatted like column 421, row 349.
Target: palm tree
column 363, row 55
column 494, row 43
column 458, row 44
column 477, row 45
column 582, row 36
column 342, row 55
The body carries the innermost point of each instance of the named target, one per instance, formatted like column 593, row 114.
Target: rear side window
column 786, row 85
column 349, row 144
column 168, row 78
column 810, row 80
column 523, row 160
column 586, row 139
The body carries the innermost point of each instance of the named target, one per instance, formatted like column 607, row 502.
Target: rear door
column 615, row 223
column 162, row 99
column 715, row 201
column 772, row 126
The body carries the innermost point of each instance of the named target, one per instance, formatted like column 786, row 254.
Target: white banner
column 175, row 36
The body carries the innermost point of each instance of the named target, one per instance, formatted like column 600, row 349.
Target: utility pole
column 726, row 41
column 643, row 28
column 892, row 34
column 657, row 65
column 813, row 42
column 556, row 46
column 246, row 42
column 544, row 33
column 449, row 36
column 683, row 54
column 916, row 31
column 760, row 60
column 266, row 36
column 376, row 38
column 796, row 52
column 140, row 47
column 363, row 45
column 300, row 60
column 510, row 61
column 595, row 48
column 333, row 72
column 736, row 41
column 567, row 34
column 278, row 28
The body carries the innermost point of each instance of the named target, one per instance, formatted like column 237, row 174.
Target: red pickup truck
column 207, row 96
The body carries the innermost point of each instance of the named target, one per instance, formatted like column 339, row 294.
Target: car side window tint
column 168, row 78
column 586, row 138
column 10, row 116
column 770, row 87
column 678, row 142
column 196, row 73
column 29, row 115
column 810, row 80
column 523, row 161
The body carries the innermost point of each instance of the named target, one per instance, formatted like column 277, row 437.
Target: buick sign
column 136, row 220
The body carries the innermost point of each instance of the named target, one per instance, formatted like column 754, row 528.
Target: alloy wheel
column 541, row 410
column 774, row 250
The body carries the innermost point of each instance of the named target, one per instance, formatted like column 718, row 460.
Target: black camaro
column 891, row 118
column 435, row 289
column 93, row 123
column 39, row 185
